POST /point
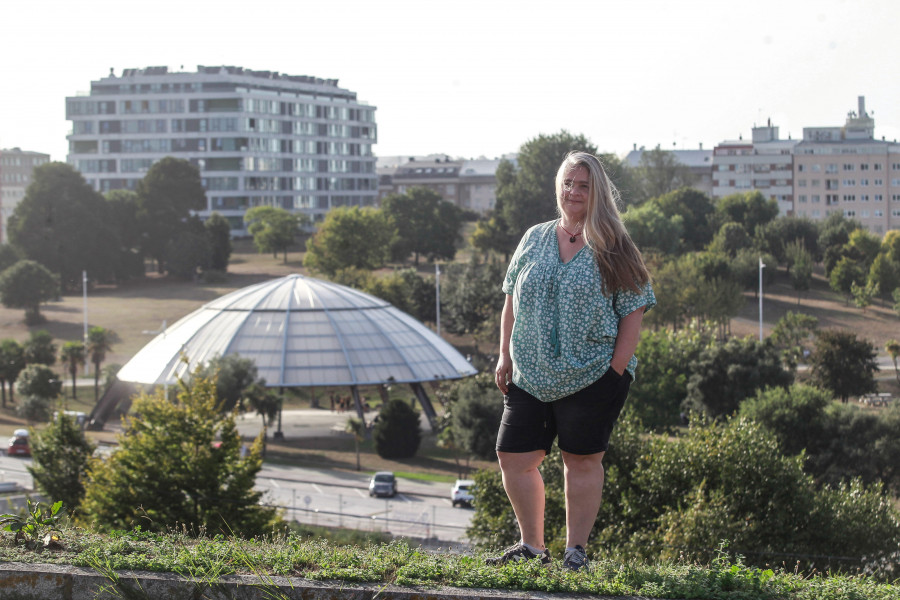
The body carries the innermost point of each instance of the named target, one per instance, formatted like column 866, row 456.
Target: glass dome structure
column 301, row 331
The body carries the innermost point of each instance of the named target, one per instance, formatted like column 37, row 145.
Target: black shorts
column 583, row 421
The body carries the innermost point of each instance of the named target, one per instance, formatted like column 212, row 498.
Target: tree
column 840, row 442
column 72, row 356
column 218, row 235
column 273, row 229
column 749, row 209
column 63, row 224
column 426, row 224
column 234, row 376
column 355, row 427
column 187, row 254
column 801, row 266
column 696, row 211
column 167, row 194
column 834, row 233
column 660, row 172
column 26, row 285
column 666, row 360
column 40, row 381
column 9, row 255
column 123, row 207
column 726, row 374
column 793, row 335
column 796, row 415
column 179, row 462
column 862, row 246
column 12, row 361
column 350, row 237
column 844, row 364
column 892, row 347
column 264, row 400
column 397, row 433
column 404, row 288
column 34, row 409
column 884, row 274
column 650, row 228
column 528, row 194
column 778, row 234
column 61, row 454
column 476, row 412
column 845, row 273
column 730, row 238
column 99, row 342
column 40, row 349
column 863, row 294
column 471, row 300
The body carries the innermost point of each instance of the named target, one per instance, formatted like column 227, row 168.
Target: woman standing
column 577, row 290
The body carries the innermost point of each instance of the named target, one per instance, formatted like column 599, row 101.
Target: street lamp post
column 761, row 267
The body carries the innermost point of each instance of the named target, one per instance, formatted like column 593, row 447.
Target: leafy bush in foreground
column 666, row 498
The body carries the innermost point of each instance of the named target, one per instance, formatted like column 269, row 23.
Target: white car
column 461, row 495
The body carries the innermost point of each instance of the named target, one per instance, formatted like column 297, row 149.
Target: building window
column 879, row 213
column 863, row 182
column 849, row 167
column 801, row 183
column 863, row 197
column 802, row 198
column 849, row 213
column 831, row 168
column 879, row 198
column 877, row 166
column 849, row 197
column 864, row 167
column 878, row 182
column 848, row 182
column 815, row 198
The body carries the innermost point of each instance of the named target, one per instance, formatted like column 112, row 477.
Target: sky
column 479, row 78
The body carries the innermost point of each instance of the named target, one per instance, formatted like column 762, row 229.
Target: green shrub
column 397, row 433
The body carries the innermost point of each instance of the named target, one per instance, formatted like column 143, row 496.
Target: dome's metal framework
column 301, row 332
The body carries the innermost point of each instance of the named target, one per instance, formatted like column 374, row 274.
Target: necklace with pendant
column 572, row 236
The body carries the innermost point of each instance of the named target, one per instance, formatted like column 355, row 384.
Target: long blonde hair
column 620, row 262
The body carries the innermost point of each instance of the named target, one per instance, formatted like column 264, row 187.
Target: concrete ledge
column 21, row 581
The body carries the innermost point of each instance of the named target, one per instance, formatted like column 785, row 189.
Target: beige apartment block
column 764, row 163
column 846, row 170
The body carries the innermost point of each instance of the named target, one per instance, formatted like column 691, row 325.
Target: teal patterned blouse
column 565, row 329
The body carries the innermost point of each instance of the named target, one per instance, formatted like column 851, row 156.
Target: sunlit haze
column 474, row 79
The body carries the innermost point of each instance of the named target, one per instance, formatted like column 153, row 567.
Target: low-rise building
column 16, row 166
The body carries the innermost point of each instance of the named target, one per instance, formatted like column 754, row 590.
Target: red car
column 18, row 444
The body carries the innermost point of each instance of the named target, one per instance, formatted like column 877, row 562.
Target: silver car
column 383, row 483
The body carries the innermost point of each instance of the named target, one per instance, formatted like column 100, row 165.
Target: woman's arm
column 503, row 374
column 626, row 340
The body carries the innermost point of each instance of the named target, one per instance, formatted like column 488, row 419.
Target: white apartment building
column 16, row 166
column 259, row 138
column 845, row 169
column 765, row 163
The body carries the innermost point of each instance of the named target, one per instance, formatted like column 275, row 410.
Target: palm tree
column 357, row 428
column 72, row 356
column 99, row 342
column 893, row 348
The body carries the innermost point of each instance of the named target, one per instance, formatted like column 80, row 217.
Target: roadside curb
column 21, row 581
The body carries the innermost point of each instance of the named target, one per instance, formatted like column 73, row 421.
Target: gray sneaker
column 518, row 552
column 576, row 559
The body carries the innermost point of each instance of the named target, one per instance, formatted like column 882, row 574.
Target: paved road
column 335, row 499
